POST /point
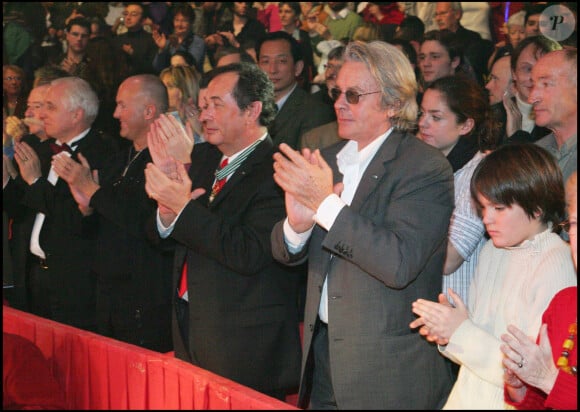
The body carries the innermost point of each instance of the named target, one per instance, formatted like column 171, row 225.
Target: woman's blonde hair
column 186, row 79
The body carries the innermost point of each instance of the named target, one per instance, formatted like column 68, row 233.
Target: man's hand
column 168, row 138
column 307, row 181
column 28, row 162
column 171, row 194
column 82, row 182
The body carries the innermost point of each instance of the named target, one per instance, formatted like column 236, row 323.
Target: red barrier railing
column 101, row 373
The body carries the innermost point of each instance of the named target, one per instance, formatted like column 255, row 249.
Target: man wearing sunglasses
column 371, row 215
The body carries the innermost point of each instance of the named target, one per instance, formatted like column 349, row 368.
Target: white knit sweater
column 511, row 286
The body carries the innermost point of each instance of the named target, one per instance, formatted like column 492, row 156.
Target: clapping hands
column 438, row 321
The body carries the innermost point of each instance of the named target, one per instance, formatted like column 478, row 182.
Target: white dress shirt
column 352, row 163
column 39, row 220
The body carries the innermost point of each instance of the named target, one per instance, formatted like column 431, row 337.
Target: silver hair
column 395, row 76
column 78, row 94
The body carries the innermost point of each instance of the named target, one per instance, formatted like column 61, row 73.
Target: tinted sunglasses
column 352, row 97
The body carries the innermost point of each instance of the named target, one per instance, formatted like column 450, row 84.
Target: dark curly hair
column 253, row 86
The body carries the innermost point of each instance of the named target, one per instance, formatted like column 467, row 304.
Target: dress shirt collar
column 340, row 15
column 235, row 155
column 280, row 103
column 350, row 155
column 75, row 140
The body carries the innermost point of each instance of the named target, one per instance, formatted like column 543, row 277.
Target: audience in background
column 182, row 83
column 14, row 90
column 515, row 34
column 475, row 49
column 182, row 58
column 554, row 99
column 229, row 54
column 182, row 38
column 75, row 61
column 455, row 110
column 236, row 31
column 457, row 143
column 439, row 56
column 500, row 87
column 280, row 57
column 532, row 18
column 136, row 46
column 520, row 123
column 290, row 18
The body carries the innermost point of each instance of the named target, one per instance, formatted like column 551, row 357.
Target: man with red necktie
column 239, row 317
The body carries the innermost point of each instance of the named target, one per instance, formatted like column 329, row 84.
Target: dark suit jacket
column 243, row 316
column 133, row 274
column 20, row 222
column 389, row 246
column 299, row 114
column 68, row 239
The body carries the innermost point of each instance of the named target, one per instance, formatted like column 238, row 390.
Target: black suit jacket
column 133, row 274
column 300, row 113
column 243, row 316
column 68, row 239
column 20, row 220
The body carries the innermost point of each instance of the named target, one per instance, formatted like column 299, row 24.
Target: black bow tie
column 56, row 148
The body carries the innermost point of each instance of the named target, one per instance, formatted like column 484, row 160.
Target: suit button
column 311, row 327
column 320, row 289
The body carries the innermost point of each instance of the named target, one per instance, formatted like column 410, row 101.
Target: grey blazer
column 388, row 247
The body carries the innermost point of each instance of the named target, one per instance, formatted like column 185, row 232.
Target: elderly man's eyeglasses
column 352, row 97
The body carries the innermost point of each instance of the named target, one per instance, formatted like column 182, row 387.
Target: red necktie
column 56, row 148
column 217, row 186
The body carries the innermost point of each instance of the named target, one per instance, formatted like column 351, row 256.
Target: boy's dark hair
column 524, row 174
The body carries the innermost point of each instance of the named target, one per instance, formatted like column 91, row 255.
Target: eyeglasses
column 12, row 78
column 352, row 97
column 132, row 14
